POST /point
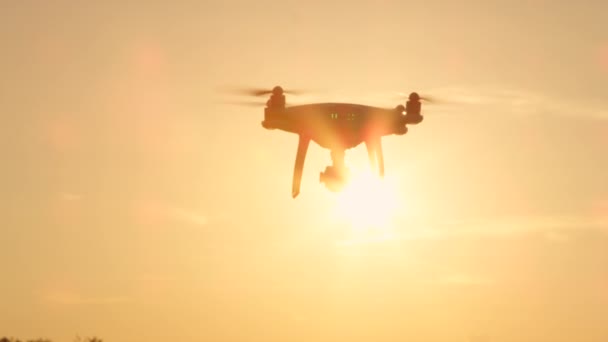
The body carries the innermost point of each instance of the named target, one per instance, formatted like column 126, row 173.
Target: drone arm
column 303, row 143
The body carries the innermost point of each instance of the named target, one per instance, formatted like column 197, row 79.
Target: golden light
column 368, row 205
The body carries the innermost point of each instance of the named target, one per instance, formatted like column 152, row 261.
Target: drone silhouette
column 337, row 127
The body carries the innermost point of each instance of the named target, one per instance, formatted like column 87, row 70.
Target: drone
column 337, row 127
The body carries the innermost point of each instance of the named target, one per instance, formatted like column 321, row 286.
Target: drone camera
column 333, row 179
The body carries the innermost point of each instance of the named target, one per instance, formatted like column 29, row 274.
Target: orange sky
column 137, row 206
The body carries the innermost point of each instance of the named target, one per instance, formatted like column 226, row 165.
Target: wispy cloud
column 150, row 211
column 371, row 238
column 492, row 99
column 188, row 216
column 555, row 228
column 511, row 224
column 523, row 224
column 463, row 279
column 74, row 298
column 70, row 196
column 516, row 101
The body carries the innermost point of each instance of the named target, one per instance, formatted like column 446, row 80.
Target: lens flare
column 368, row 205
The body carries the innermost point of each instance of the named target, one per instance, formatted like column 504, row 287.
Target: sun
column 368, row 205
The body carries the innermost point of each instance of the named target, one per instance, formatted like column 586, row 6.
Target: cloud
column 148, row 211
column 463, row 279
column 523, row 224
column 188, row 216
column 367, row 239
column 74, row 298
column 557, row 237
column 70, row 196
column 516, row 101
column 554, row 228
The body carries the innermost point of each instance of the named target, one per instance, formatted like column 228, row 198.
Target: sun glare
column 368, row 206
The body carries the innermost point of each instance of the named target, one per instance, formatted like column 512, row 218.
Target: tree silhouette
column 78, row 339
column 87, row 339
column 6, row 339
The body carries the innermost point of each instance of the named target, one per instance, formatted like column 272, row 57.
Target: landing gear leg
column 337, row 159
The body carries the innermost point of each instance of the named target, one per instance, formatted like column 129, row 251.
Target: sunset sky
column 138, row 206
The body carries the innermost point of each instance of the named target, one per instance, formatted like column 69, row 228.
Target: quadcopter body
column 338, row 127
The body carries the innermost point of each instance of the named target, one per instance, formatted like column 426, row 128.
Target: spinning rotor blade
column 245, row 103
column 425, row 98
column 260, row 91
column 429, row 99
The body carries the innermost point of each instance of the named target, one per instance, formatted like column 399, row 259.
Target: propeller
column 250, row 91
column 246, row 103
column 430, row 99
